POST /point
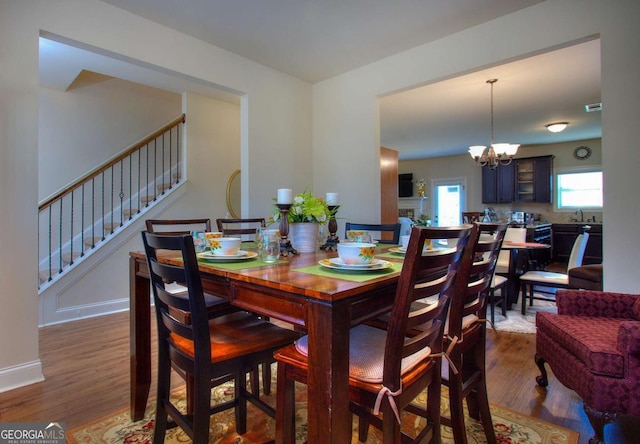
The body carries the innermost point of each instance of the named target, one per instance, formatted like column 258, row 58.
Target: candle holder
column 332, row 239
column 285, row 244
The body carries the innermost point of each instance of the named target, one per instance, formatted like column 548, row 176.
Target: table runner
column 347, row 275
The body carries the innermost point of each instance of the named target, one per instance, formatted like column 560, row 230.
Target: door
column 449, row 199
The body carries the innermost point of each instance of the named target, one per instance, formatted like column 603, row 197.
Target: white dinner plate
column 241, row 256
column 337, row 264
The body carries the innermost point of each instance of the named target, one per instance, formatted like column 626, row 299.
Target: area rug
column 510, row 426
column 516, row 322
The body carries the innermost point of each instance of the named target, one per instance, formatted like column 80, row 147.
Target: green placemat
column 389, row 255
column 241, row 265
column 356, row 276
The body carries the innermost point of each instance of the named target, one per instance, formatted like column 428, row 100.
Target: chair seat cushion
column 238, row 334
column 366, row 353
column 546, row 277
column 591, row 339
column 498, row 281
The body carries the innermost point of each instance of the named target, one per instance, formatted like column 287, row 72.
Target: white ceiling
column 317, row 39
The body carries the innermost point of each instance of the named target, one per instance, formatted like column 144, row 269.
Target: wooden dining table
column 323, row 301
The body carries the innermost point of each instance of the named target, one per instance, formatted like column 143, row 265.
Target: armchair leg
column 598, row 420
column 543, row 379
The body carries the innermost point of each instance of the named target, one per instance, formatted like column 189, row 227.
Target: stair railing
column 73, row 221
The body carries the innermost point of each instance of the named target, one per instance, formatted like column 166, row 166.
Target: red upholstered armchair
column 593, row 347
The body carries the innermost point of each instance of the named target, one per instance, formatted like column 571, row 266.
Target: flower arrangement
column 423, row 221
column 306, row 208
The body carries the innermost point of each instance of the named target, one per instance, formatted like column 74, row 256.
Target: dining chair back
column 245, row 228
column 389, row 368
column 469, row 217
column 208, row 351
column 466, row 331
column 551, row 280
column 513, row 234
column 389, row 233
column 177, row 226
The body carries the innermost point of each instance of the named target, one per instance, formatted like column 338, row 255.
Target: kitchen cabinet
column 524, row 180
column 533, row 179
column 497, row 185
column 564, row 235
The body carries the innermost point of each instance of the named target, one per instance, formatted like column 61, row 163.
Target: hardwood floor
column 86, row 365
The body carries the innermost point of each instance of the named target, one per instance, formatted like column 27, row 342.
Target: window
column 579, row 189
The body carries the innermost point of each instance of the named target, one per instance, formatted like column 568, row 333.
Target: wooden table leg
column 140, row 339
column 329, row 418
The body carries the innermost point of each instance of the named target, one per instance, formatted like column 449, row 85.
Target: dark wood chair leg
column 285, row 406
column 266, row 379
column 542, row 380
column 598, row 420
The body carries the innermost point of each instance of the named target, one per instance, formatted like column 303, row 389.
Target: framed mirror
column 233, row 194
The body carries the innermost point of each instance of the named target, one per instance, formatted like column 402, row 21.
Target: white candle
column 332, row 199
column 285, row 196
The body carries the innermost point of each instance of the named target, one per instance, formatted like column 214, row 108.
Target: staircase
column 78, row 220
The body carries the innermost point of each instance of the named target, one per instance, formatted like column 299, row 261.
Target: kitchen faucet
column 579, row 210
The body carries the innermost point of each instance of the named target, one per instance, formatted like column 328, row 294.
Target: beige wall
column 346, row 116
column 275, row 145
column 85, row 126
column 463, row 166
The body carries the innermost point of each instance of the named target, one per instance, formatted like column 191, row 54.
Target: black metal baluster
column 163, row 167
column 82, row 222
column 60, row 239
column 71, row 233
column 155, row 169
column 121, row 194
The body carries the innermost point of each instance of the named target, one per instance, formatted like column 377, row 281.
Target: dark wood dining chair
column 390, row 364
column 390, row 233
column 467, row 330
column 177, row 226
column 216, row 306
column 240, row 227
column 208, row 351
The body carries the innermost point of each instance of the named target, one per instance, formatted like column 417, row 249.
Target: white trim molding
column 20, row 375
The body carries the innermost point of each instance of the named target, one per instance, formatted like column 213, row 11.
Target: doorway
column 449, row 198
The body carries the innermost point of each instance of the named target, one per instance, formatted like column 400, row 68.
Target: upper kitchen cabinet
column 497, row 185
column 524, row 180
column 533, row 179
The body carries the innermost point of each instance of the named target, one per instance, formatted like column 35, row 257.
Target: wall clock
column 582, row 152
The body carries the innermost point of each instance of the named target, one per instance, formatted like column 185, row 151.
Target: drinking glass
column 269, row 246
column 200, row 242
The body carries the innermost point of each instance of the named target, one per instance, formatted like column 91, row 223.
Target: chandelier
column 497, row 153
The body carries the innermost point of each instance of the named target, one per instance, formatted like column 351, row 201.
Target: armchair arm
column 596, row 303
column 629, row 338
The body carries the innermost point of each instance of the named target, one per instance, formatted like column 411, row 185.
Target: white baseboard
column 20, row 375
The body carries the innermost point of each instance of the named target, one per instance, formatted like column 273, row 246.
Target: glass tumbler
column 200, row 243
column 269, row 246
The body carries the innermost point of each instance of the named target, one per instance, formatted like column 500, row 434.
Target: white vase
column 304, row 236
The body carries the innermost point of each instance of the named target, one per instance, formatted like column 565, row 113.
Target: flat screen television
column 405, row 185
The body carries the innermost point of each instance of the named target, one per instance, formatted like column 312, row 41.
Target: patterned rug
column 510, row 426
column 516, row 322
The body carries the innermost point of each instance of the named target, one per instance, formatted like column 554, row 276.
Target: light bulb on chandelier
column 497, row 153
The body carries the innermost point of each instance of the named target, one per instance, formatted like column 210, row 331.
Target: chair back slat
column 239, row 227
column 175, row 227
column 393, row 229
column 424, row 275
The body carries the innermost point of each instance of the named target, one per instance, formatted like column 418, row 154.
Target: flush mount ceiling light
column 497, row 153
column 557, row 127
